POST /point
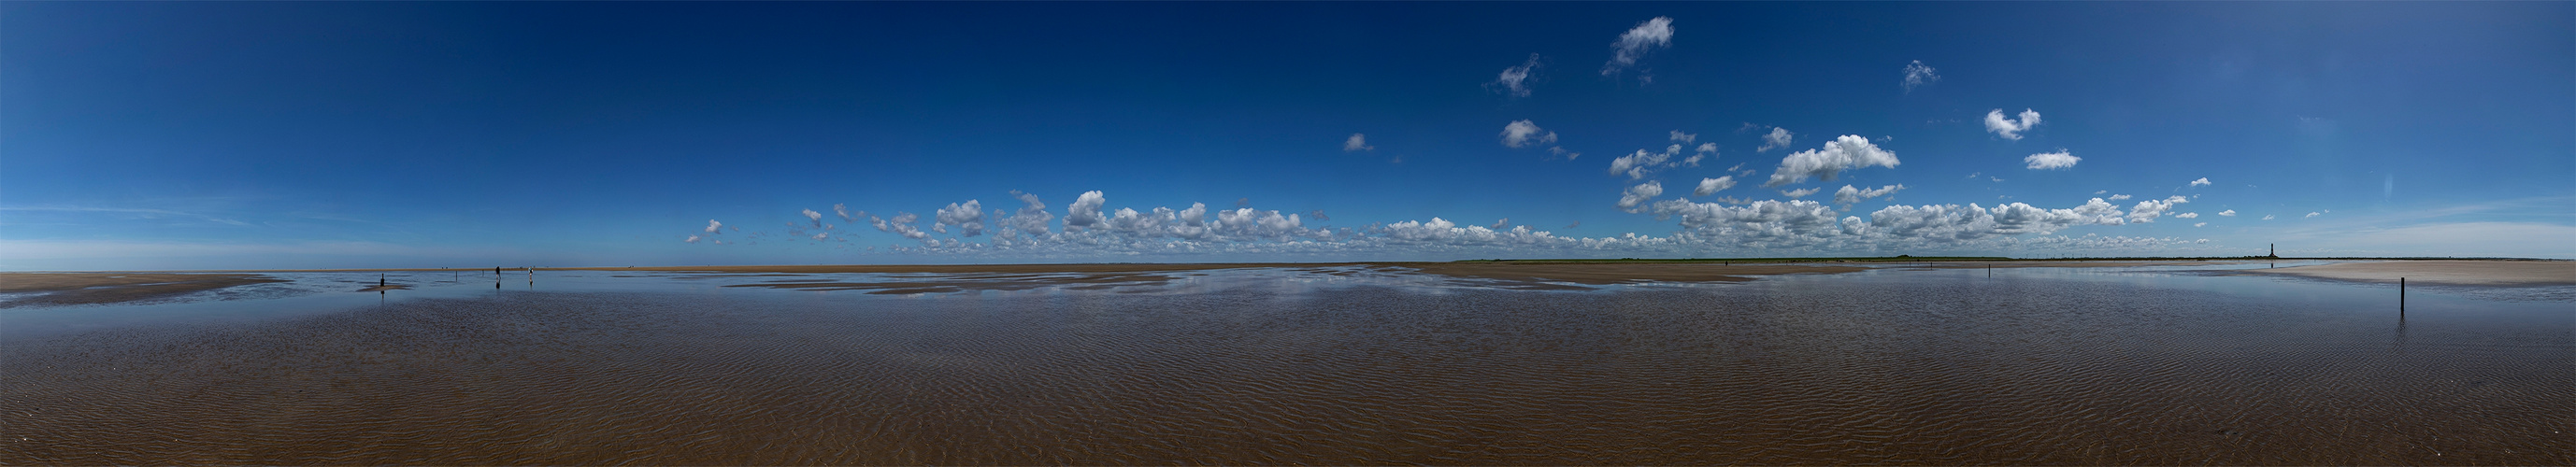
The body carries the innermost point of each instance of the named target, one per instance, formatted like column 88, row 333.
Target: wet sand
column 98, row 288
column 2472, row 272
column 1616, row 272
column 2041, row 367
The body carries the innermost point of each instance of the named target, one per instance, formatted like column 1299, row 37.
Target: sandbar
column 95, row 288
column 2522, row 273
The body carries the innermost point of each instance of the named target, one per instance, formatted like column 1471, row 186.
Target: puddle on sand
column 2033, row 366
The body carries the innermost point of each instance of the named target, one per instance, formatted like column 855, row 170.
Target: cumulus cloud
column 1917, row 75
column 2010, row 128
column 2203, row 181
column 901, row 224
column 1443, row 232
column 1848, row 152
column 2188, row 215
column 1637, row 164
column 1851, row 195
column 2119, row 197
column 1640, row 193
column 1684, row 138
column 2149, row 210
column 1569, row 155
column 2051, row 160
column 2228, row 213
column 1357, row 142
column 2311, row 214
column 1777, row 139
column 968, row 217
column 1647, row 36
column 1085, row 212
column 1522, row 133
column 2197, row 224
column 819, row 237
column 1515, row 80
column 844, row 211
column 1709, row 186
column 712, row 225
column 1500, row 223
column 692, row 239
column 1032, row 217
column 1800, row 193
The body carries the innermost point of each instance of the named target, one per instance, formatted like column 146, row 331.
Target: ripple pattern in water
column 1827, row 371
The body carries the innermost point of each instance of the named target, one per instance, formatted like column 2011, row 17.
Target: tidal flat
column 2129, row 363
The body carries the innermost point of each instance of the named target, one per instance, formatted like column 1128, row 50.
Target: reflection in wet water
column 1275, row 366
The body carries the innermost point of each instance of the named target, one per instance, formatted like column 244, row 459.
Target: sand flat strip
column 93, row 288
column 2446, row 272
column 1617, row 273
column 2071, row 264
column 1551, row 271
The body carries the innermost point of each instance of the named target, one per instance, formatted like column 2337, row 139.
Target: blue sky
column 290, row 135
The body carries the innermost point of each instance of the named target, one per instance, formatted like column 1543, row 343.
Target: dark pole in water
column 2401, row 298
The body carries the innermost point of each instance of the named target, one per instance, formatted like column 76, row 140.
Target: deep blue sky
column 267, row 135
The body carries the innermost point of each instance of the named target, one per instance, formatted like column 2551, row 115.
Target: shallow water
column 2033, row 366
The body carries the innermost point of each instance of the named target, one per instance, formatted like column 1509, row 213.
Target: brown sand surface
column 985, row 282
column 2445, row 272
column 91, row 288
column 2067, row 264
column 961, row 268
column 1616, row 272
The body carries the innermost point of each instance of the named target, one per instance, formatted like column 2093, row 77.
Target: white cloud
column 1636, row 42
column 1569, row 155
column 1445, row 233
column 1973, row 175
column 1522, row 133
column 2119, row 197
column 2009, row 128
column 1638, row 164
column 1684, row 138
column 2051, row 160
column 1515, row 80
column 2188, row 215
column 1713, row 185
column 844, row 211
column 692, row 239
column 2197, row 224
column 1498, row 225
column 1848, row 152
column 2228, row 213
column 1085, row 212
column 1777, row 139
column 1639, row 194
column 1851, row 195
column 901, row 224
column 1032, row 217
column 1800, row 193
column 2310, row 214
column 1917, row 75
column 813, row 216
column 968, row 217
column 1357, row 142
column 819, row 236
column 2149, row 210
column 2203, row 181
column 2267, row 217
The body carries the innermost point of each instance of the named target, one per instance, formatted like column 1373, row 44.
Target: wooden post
column 2401, row 298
